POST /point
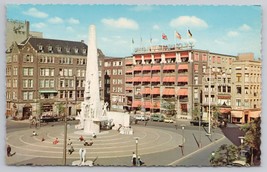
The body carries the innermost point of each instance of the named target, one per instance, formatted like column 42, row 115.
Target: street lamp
column 65, row 129
column 136, row 146
column 183, row 140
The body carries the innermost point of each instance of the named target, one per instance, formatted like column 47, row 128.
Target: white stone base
column 82, row 132
column 86, row 163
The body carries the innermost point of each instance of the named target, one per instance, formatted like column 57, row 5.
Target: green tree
column 60, row 108
column 196, row 113
column 169, row 106
column 224, row 155
column 252, row 138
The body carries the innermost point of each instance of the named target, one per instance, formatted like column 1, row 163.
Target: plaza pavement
column 157, row 146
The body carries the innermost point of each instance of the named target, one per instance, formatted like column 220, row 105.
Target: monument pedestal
column 86, row 163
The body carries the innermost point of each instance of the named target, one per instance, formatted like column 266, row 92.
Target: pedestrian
column 42, row 139
column 71, row 150
column 55, row 141
column 134, row 159
column 94, row 135
column 81, row 138
column 69, row 142
column 8, row 150
column 146, row 122
column 34, row 133
column 139, row 161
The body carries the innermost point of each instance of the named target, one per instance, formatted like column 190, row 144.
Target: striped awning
column 136, row 103
column 137, row 79
column 146, row 79
column 147, row 68
column 168, row 79
column 155, row 91
column 155, row 79
column 237, row 114
column 182, row 79
column 182, row 92
column 155, row 67
column 169, row 67
column 137, row 68
column 169, row 91
column 146, row 91
column 183, row 67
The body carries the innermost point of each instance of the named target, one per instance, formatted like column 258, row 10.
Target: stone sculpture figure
column 82, row 153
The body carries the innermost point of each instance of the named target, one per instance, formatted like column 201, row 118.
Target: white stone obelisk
column 91, row 112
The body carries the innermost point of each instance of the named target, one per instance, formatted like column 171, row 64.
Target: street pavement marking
column 198, row 150
column 148, row 149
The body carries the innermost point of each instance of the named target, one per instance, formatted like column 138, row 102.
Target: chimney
column 82, row 41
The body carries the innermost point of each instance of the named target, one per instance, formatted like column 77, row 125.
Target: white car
column 141, row 118
column 168, row 120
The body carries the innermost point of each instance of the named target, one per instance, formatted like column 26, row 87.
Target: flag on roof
column 164, row 36
column 178, row 35
column 189, row 33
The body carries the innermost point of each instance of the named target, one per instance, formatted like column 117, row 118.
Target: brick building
column 44, row 74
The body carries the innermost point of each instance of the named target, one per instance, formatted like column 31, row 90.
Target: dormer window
column 76, row 50
column 59, row 49
column 40, row 48
column 84, row 51
column 50, row 49
column 67, row 49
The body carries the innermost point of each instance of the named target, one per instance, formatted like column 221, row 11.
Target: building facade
column 114, row 76
column 246, row 89
column 44, row 76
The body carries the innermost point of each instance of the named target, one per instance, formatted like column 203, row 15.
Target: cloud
column 140, row 8
column 244, row 27
column 232, row 34
column 188, row 21
column 55, row 20
column 38, row 25
column 73, row 21
column 156, row 27
column 122, row 22
column 33, row 12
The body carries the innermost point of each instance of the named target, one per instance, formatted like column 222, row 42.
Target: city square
column 164, row 102
column 156, row 140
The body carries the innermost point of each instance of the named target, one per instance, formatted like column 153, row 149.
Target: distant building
column 16, row 31
column 114, row 75
column 43, row 74
column 246, row 88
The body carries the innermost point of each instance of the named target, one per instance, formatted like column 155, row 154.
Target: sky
column 220, row 29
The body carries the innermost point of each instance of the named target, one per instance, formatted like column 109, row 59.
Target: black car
column 202, row 123
column 49, row 119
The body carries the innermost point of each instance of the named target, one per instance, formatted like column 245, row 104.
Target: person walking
column 8, row 150
column 134, row 159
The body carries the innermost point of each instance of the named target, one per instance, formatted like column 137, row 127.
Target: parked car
column 202, row 123
column 239, row 163
column 158, row 118
column 48, row 118
column 168, row 120
column 141, row 118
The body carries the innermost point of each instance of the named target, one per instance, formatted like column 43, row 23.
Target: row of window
column 47, row 83
column 114, row 72
column 114, row 63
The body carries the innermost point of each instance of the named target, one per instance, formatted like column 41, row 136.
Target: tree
column 60, row 108
column 224, row 155
column 252, row 138
column 169, row 105
column 196, row 114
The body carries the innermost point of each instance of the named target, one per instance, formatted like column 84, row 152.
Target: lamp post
column 136, row 146
column 183, row 140
column 65, row 129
